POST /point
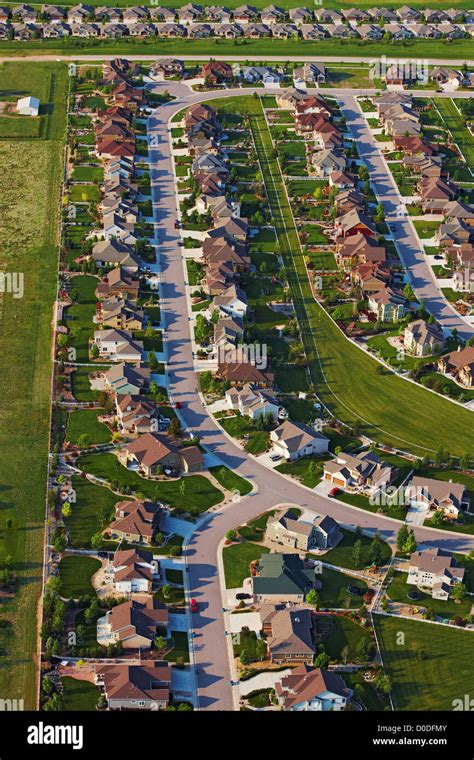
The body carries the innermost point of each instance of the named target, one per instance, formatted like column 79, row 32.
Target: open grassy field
column 430, row 682
column 29, row 193
column 220, row 48
column 388, row 408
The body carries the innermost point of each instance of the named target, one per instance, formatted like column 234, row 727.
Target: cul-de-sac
column 237, row 357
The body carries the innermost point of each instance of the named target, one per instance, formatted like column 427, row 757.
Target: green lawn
column 85, row 422
column 230, row 480
column 341, row 555
column 346, row 633
column 361, row 501
column 308, row 470
column 388, row 408
column 92, row 511
column 431, row 683
column 81, row 387
column 255, row 530
column 30, row 192
column 257, row 441
column 193, row 493
column 79, row 696
column 373, row 700
column 399, row 588
column 237, row 559
column 75, row 572
column 334, row 593
column 81, row 313
column 180, row 642
column 460, row 133
column 88, row 174
column 174, row 598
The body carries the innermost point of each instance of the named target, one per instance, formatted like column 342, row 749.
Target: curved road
column 270, row 488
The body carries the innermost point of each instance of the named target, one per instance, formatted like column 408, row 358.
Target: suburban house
column 120, row 314
column 135, row 521
column 108, row 253
column 252, row 402
column 232, row 301
column 423, row 339
column 439, row 495
column 288, row 634
column 359, row 471
column 215, row 72
column 135, row 687
column 118, row 346
column 133, row 571
column 307, row 688
column 127, row 379
column 118, row 283
column 134, row 624
column 228, row 332
column 459, row 364
column 167, row 67
column 135, row 414
column 281, row 578
column 295, row 440
column 154, row 452
column 436, row 570
column 387, row 304
column 322, row 533
column 354, row 222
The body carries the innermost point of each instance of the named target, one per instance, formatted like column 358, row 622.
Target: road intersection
column 269, row 487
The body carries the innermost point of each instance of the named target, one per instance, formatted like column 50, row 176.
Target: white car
column 275, row 457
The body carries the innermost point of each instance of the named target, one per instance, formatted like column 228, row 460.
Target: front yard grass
column 430, row 682
column 307, row 470
column 179, row 640
column 237, row 559
column 193, row 494
column 230, row 480
column 75, row 573
column 257, row 441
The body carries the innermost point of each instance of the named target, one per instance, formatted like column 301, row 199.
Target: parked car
column 275, row 457
column 193, row 605
column 334, row 492
column 242, row 596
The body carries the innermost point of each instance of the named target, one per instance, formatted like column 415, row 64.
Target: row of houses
column 25, row 30
column 244, row 14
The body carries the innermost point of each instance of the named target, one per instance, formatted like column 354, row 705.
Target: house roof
column 137, row 618
column 291, row 631
column 305, row 683
column 439, row 491
column 437, row 562
column 423, row 333
column 295, row 435
column 139, row 518
column 282, row 574
column 149, row 680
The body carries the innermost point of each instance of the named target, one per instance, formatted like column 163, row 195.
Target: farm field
column 388, row 408
column 30, row 206
column 430, row 682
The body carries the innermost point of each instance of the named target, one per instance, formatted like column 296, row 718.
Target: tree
column 375, row 551
column 66, row 509
column 437, row 519
column 402, row 536
column 410, row 544
column 345, row 654
column 383, row 683
column 465, row 461
column 459, row 592
column 231, row 535
column 160, row 643
column 175, row 428
column 166, row 589
column 356, row 553
column 322, row 660
column 261, row 649
column 312, row 597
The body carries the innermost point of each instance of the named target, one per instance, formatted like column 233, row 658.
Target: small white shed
column 28, row 106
